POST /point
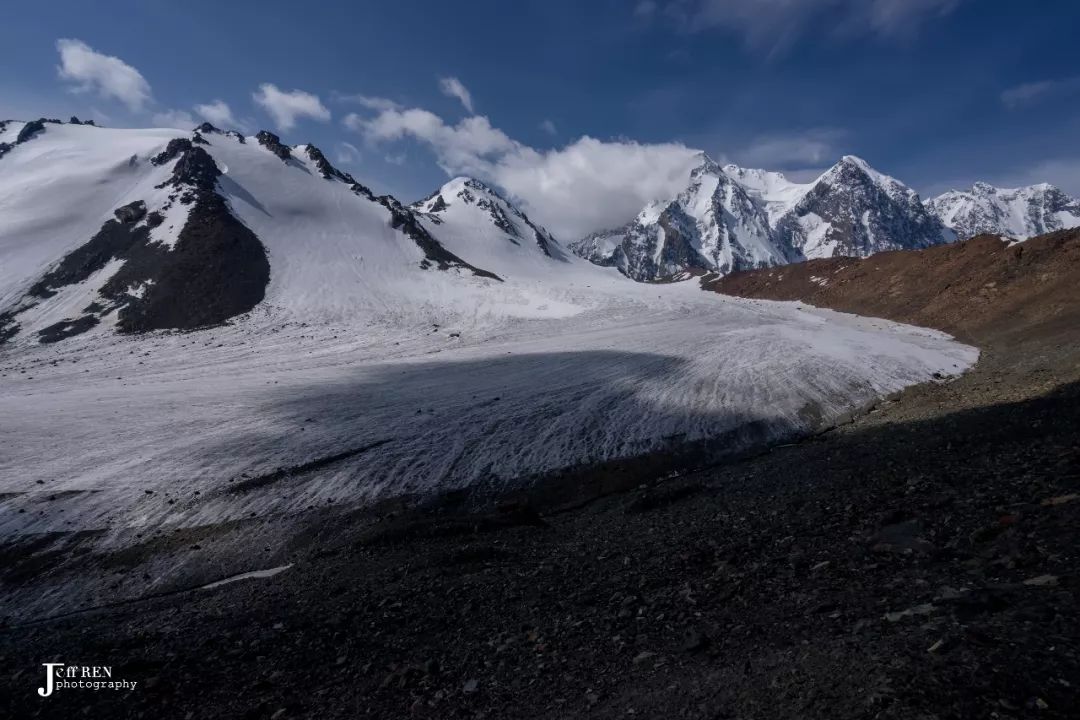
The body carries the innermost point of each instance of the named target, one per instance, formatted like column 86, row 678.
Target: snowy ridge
column 167, row 203
column 1017, row 213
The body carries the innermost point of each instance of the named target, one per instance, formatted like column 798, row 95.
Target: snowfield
column 362, row 376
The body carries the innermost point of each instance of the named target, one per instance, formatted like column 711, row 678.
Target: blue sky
column 937, row 93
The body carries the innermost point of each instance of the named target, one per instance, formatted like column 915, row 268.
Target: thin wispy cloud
column 287, row 107
column 452, row 87
column 366, row 101
column 106, row 75
column 1034, row 92
column 809, row 148
column 645, row 9
column 347, row 153
column 549, row 127
column 772, row 26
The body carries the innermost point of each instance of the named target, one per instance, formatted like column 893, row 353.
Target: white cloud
column 549, row 127
column 587, row 185
column 180, row 119
column 218, row 113
column 109, row 76
column 772, row 25
column 287, row 107
column 1032, row 92
column 463, row 148
column 452, row 87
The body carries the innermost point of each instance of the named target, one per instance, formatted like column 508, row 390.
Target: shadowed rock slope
column 979, row 290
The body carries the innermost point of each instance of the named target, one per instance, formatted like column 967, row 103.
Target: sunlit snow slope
column 396, row 350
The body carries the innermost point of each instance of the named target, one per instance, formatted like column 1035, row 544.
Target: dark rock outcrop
column 29, row 130
column 175, row 147
column 216, row 269
column 273, row 143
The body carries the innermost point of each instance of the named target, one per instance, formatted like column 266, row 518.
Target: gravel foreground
column 920, row 562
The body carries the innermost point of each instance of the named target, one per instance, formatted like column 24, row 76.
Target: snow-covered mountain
column 1018, row 213
column 735, row 218
column 472, row 219
column 856, row 211
column 166, row 229
column 713, row 224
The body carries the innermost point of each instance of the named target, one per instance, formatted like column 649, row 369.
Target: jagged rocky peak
column 855, row 210
column 712, row 225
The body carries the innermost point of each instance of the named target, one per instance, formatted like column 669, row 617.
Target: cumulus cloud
column 774, row 24
column 180, row 119
column 452, row 87
column 287, row 107
column 106, row 75
column 218, row 113
column 587, row 185
column 1033, row 92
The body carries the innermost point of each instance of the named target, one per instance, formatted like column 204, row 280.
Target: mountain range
column 732, row 218
column 168, row 229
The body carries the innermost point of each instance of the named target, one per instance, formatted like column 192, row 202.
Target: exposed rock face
column 854, row 211
column 217, row 270
column 30, row 129
column 175, row 147
column 28, row 132
column 1011, row 212
column 730, row 219
column 273, row 143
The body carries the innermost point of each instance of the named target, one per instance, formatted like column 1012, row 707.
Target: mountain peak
column 705, row 164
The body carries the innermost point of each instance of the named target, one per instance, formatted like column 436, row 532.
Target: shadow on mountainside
column 894, row 568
